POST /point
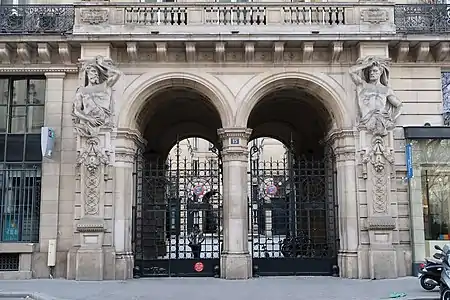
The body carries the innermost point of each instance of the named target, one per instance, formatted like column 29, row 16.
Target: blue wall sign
column 409, row 163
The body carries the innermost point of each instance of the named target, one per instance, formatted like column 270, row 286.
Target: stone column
column 378, row 110
column 126, row 144
column 343, row 142
column 236, row 262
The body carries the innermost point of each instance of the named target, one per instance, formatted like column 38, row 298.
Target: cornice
column 38, row 69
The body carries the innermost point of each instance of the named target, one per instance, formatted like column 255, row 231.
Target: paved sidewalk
column 264, row 288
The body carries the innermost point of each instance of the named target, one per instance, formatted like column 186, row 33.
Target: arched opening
column 177, row 219
column 291, row 183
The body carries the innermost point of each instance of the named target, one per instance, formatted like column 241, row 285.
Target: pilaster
column 51, row 167
column 344, row 146
column 236, row 262
column 126, row 144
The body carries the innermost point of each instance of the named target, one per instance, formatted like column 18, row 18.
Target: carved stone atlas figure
column 378, row 106
column 93, row 105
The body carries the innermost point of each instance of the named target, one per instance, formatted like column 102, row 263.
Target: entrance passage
column 292, row 207
column 177, row 215
column 291, row 179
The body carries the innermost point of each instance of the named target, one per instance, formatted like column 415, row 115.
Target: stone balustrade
column 233, row 18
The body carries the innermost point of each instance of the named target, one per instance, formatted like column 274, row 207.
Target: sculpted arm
column 396, row 104
column 113, row 74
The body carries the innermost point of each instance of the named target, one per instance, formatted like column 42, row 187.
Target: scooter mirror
column 438, row 248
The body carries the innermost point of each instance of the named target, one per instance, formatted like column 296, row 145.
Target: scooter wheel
column 445, row 294
column 426, row 286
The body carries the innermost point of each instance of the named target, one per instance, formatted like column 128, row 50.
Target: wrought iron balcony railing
column 422, row 18
column 36, row 19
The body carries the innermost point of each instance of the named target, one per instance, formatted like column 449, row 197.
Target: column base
column 383, row 263
column 124, row 266
column 89, row 264
column 348, row 264
column 235, row 266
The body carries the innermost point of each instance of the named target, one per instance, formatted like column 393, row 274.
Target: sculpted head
column 374, row 73
column 93, row 74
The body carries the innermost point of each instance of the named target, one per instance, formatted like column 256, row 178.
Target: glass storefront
column 430, row 194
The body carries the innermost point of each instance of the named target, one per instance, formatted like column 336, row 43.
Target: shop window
column 431, row 165
column 21, row 118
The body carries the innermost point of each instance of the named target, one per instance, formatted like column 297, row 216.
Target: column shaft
column 235, row 258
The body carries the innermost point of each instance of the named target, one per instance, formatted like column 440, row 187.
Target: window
column 21, row 118
column 195, row 167
column 195, row 144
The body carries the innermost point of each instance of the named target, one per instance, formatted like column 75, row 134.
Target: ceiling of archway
column 291, row 114
column 176, row 114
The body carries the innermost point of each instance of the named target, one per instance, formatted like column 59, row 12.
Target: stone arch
column 137, row 94
column 322, row 86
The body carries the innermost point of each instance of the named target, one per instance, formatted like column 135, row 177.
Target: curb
column 25, row 295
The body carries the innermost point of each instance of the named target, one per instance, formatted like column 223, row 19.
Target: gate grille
column 293, row 215
column 172, row 198
column 9, row 262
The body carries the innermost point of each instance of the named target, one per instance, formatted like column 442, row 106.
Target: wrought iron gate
column 177, row 216
column 293, row 215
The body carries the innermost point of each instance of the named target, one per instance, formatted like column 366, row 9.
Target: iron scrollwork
column 35, row 19
column 422, row 18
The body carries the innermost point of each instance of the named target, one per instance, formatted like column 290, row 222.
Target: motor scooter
column 430, row 272
column 444, row 288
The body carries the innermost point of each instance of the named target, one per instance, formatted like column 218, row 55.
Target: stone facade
column 87, row 185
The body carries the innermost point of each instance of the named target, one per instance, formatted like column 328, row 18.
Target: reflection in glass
column 19, row 96
column 4, row 92
column 431, row 185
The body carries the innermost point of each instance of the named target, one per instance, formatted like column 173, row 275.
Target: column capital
column 227, row 134
column 55, row 75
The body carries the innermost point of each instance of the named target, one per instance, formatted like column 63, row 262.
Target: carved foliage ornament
column 378, row 105
column 94, row 16
column 93, row 106
column 92, row 158
column 381, row 159
column 374, row 15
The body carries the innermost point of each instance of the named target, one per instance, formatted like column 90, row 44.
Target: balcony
column 36, row 19
column 209, row 19
column 422, row 18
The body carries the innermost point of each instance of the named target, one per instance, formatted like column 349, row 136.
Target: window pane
column 14, row 147
column 18, row 119
column 4, row 92
column 2, row 149
column 20, row 92
column 35, row 118
column 36, row 91
column 33, row 148
column 3, row 118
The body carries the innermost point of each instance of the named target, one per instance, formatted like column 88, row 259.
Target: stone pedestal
column 93, row 171
column 236, row 262
column 378, row 170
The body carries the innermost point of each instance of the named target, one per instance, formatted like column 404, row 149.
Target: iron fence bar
column 36, row 19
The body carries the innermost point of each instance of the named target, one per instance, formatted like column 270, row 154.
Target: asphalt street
column 263, row 288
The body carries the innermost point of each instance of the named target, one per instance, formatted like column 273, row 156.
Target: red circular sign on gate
column 198, row 267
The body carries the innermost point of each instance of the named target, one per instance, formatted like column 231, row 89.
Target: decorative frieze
column 307, row 50
column 421, row 51
column 132, row 50
column 94, row 16
column 441, row 51
column 402, row 51
column 44, row 52
column 5, row 53
column 249, row 49
column 278, row 52
column 191, row 52
column 220, row 52
column 161, row 51
column 336, row 50
column 24, row 53
column 65, row 53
